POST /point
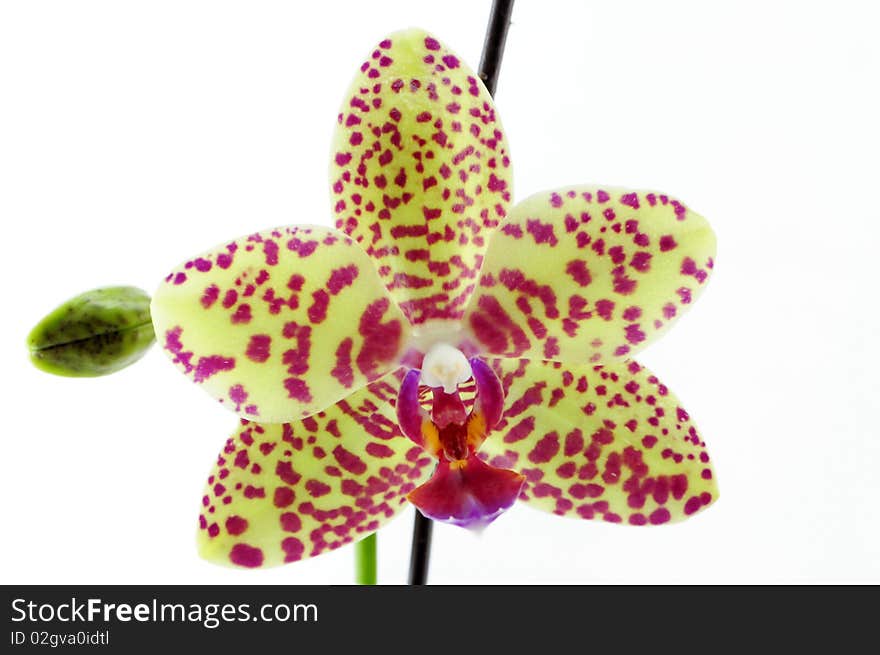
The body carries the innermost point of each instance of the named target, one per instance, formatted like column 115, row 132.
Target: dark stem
column 493, row 46
column 421, row 550
column 490, row 66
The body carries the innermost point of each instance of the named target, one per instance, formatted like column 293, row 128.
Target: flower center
column 446, row 367
column 463, row 489
column 449, row 429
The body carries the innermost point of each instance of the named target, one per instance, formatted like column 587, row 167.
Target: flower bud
column 96, row 333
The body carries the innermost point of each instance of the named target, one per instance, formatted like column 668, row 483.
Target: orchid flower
column 441, row 345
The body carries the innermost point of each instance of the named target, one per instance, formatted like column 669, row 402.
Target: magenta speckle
column 270, row 249
column 246, row 556
column 634, row 333
column 692, row 505
column 235, row 525
column 209, row 297
column 242, row 314
column 209, row 366
column 630, row 200
column 545, row 449
column 293, row 549
column 298, row 390
column 667, row 243
column 341, row 278
column 577, row 269
column 541, row 232
column 605, row 308
column 641, row 261
column 451, row 61
column 258, row 347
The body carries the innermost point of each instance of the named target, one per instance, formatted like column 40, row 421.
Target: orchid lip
column 463, row 490
column 467, row 492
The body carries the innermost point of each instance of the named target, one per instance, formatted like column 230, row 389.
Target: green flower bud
column 97, row 333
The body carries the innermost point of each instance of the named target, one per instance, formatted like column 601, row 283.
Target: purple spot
column 495, row 184
column 667, row 243
column 258, row 347
column 270, row 249
column 245, row 555
column 632, row 313
column 318, row 310
column 235, row 525
column 341, row 278
column 541, row 232
column 210, row 296
column 212, row 365
column 630, row 200
column 545, row 449
column 379, row 450
column 298, row 390
column 641, row 261
column 349, row 461
column 692, row 505
column 577, row 269
column 450, row 61
column 293, row 549
column 634, row 333
column 316, row 488
column 290, row 522
column 604, row 309
column 284, row 470
column 242, row 314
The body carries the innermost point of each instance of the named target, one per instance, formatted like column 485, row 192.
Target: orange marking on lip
column 476, row 430
column 431, row 438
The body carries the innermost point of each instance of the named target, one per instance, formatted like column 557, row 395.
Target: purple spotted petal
column 585, row 275
column 280, row 324
column 420, row 174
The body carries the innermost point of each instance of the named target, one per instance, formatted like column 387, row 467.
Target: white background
column 133, row 135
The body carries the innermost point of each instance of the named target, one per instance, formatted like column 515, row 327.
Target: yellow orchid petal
column 281, row 324
column 588, row 275
column 284, row 492
column 420, row 172
column 608, row 443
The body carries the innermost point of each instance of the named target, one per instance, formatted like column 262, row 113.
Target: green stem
column 365, row 560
